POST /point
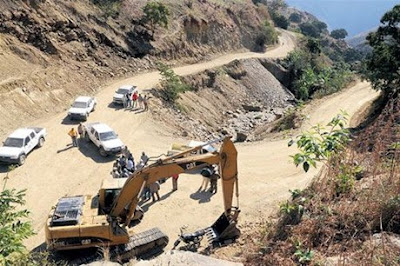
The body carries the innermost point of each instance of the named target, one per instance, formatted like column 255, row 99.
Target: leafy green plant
column 319, row 144
column 156, row 13
column 14, row 227
column 303, row 256
column 171, row 83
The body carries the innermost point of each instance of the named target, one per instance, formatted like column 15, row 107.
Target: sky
column 356, row 16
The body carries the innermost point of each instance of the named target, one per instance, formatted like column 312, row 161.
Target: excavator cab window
column 110, row 196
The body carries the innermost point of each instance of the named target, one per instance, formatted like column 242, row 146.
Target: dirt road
column 264, row 169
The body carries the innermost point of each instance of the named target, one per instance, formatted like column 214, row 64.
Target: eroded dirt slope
column 52, row 50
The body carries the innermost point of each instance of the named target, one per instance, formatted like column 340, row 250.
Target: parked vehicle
column 82, row 107
column 22, row 141
column 122, row 91
column 104, row 138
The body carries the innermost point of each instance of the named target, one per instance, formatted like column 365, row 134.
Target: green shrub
column 171, row 83
column 280, row 20
column 14, row 227
column 156, row 13
column 110, row 8
column 295, row 17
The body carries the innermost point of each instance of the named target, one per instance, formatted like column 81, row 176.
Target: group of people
column 73, row 133
column 125, row 165
column 210, row 176
column 135, row 100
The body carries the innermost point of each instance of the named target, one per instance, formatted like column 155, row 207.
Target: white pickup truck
column 82, row 107
column 22, row 141
column 104, row 138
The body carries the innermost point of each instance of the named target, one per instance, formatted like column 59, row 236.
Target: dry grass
column 351, row 212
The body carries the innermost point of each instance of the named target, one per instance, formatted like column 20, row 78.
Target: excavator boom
column 127, row 200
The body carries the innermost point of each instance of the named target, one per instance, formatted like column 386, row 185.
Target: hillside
column 50, row 51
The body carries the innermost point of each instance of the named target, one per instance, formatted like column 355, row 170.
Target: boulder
column 241, row 137
column 278, row 71
column 251, row 108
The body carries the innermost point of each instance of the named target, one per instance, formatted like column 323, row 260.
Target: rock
column 278, row 71
column 71, row 36
column 183, row 258
column 251, row 108
column 241, row 137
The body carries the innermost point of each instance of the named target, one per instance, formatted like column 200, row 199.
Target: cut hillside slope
column 233, row 99
column 51, row 51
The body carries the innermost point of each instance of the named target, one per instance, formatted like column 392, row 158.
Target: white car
column 104, row 138
column 82, row 107
column 22, row 141
column 122, row 91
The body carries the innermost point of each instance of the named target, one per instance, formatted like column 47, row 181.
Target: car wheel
column 41, row 142
column 102, row 152
column 85, row 117
column 21, row 159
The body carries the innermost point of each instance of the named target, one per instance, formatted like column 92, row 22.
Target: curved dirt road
column 264, row 169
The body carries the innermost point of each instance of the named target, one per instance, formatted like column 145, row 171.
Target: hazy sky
column 355, row 16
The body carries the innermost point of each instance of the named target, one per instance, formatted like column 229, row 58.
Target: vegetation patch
column 172, row 84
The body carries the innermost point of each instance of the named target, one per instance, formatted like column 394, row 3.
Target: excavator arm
column 127, row 200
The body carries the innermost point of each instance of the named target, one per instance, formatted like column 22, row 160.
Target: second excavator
column 83, row 221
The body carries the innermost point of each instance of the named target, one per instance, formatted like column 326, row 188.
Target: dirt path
column 265, row 172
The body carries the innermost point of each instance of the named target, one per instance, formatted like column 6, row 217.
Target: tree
column 382, row 66
column 313, row 46
column 309, row 30
column 171, row 83
column 13, row 228
column 280, row 21
column 339, row 34
column 295, row 17
column 156, row 13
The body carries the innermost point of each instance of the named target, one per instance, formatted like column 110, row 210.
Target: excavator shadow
column 149, row 203
column 201, row 196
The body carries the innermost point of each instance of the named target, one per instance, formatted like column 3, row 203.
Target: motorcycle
column 192, row 240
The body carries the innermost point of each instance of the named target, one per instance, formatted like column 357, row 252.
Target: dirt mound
column 233, row 99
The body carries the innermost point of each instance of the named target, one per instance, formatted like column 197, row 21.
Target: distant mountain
column 353, row 15
column 359, row 39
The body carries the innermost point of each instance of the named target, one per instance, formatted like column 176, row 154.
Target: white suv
column 104, row 138
column 82, row 107
column 122, row 91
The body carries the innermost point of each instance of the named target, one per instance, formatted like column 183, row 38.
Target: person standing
column 128, row 100
column 130, row 165
column 175, row 182
column 73, row 134
column 134, row 99
column 140, row 101
column 144, row 159
column 154, row 188
column 145, row 103
column 80, row 131
column 214, row 182
column 125, row 100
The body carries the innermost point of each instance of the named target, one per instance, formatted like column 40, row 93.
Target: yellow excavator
column 80, row 222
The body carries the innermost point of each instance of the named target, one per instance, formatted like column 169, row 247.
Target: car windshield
column 79, row 105
column 107, row 136
column 122, row 91
column 13, row 142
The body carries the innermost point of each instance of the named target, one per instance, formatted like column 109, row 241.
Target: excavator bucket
column 223, row 231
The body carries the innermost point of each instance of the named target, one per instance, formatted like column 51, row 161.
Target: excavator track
column 143, row 245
